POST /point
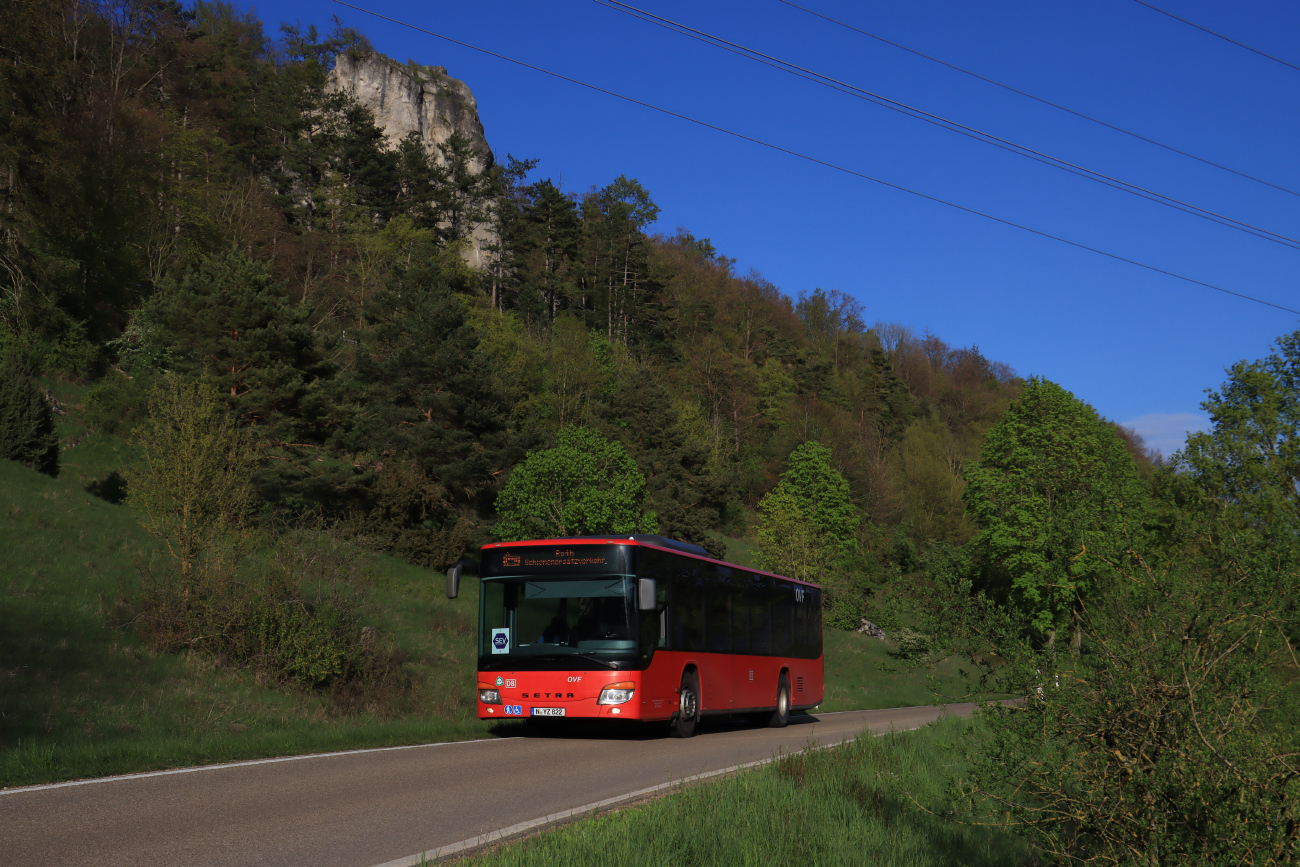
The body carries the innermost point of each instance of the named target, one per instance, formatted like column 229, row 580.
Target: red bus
column 640, row 628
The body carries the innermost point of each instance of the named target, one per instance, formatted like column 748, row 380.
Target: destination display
column 556, row 560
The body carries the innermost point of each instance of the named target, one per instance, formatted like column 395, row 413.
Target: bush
column 116, row 404
column 1169, row 739
column 910, row 644
column 27, row 432
column 294, row 616
column 409, row 515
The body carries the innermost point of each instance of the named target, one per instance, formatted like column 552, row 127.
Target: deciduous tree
column 193, row 484
column 1054, row 490
column 1249, row 461
column 585, row 485
column 809, row 527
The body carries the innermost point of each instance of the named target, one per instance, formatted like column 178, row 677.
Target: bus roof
column 644, row 540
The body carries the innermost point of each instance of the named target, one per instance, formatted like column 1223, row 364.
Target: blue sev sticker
column 501, row 640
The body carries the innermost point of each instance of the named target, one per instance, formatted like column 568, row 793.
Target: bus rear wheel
column 780, row 717
column 688, row 707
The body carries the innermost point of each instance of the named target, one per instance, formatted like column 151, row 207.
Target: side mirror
column 646, row 593
column 453, row 576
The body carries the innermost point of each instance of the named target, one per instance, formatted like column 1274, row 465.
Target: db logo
column 575, row 679
column 500, row 642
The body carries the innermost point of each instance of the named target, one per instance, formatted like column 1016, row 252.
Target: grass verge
column 874, row 800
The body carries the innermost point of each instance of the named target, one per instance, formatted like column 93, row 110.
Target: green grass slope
column 866, row 673
column 79, row 698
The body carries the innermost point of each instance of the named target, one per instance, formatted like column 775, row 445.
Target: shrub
column 293, row 615
column 408, row 514
column 27, row 432
column 910, row 644
column 116, row 404
column 1169, row 739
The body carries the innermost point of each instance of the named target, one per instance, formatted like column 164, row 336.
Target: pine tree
column 27, row 432
column 690, row 501
column 231, row 319
column 429, row 390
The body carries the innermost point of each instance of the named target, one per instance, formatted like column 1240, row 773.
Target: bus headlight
column 489, row 696
column 617, row 693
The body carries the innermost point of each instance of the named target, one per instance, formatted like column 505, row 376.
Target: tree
column 230, row 318
column 1054, row 490
column 451, row 191
column 927, row 473
column 27, row 433
column 585, row 485
column 544, row 235
column 689, row 500
column 809, row 527
column 427, row 389
column 1249, row 462
column 192, row 486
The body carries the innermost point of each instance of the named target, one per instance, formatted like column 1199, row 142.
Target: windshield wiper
column 595, row 659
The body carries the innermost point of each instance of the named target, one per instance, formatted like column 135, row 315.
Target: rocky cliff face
column 406, row 98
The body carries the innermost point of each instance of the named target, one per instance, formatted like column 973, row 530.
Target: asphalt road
column 365, row 808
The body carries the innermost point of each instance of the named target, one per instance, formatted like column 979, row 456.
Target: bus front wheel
column 688, row 711
column 781, row 716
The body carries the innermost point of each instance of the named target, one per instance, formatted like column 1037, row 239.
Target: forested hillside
column 184, row 194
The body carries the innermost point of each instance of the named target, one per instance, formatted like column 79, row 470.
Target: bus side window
column 814, row 623
column 784, row 640
column 758, row 593
column 717, row 581
column 689, row 599
column 741, row 633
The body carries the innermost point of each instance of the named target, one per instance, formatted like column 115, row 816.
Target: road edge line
column 225, row 765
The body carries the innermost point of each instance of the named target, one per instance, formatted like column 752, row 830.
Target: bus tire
column 780, row 717
column 688, row 706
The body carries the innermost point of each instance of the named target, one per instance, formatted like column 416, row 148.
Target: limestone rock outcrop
column 406, row 98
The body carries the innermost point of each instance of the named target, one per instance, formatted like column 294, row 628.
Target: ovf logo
column 509, row 559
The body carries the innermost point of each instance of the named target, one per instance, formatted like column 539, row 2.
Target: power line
column 1220, row 35
column 813, row 159
column 1040, row 99
column 951, row 125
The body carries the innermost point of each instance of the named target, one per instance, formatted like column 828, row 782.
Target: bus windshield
column 557, row 616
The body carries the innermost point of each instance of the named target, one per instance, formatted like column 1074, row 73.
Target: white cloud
column 1167, row 431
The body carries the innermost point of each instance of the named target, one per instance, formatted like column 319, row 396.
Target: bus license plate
column 548, row 711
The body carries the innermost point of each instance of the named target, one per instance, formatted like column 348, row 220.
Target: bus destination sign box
column 556, row 560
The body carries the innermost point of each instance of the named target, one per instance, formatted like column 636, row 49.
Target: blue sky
column 1139, row 346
